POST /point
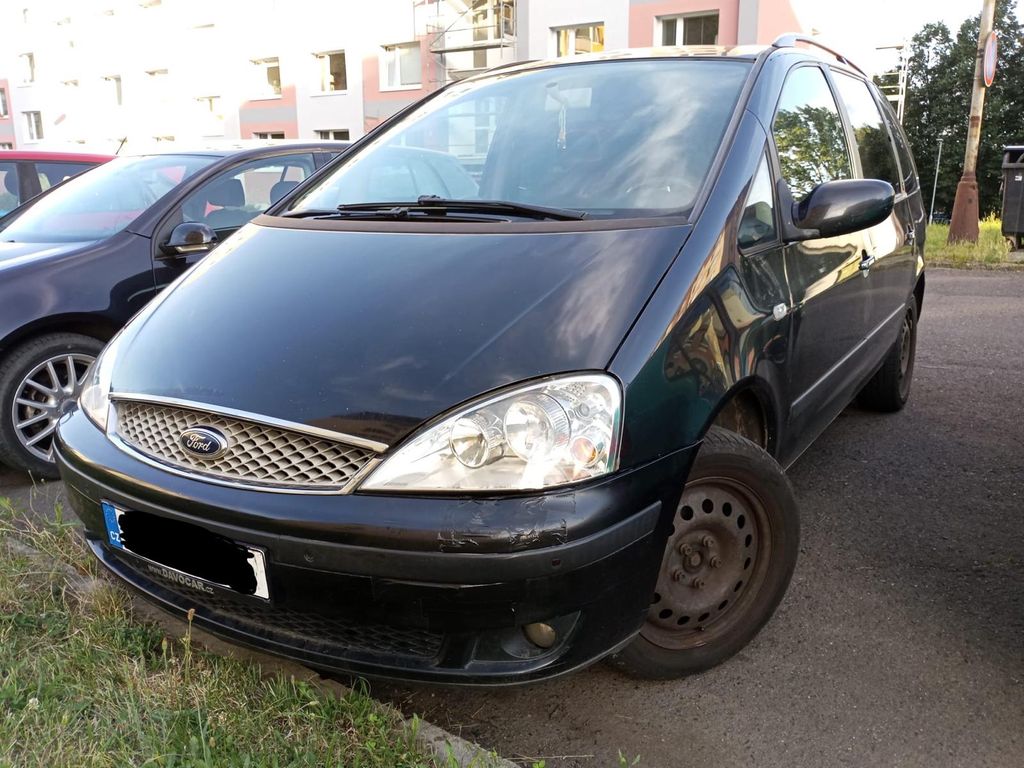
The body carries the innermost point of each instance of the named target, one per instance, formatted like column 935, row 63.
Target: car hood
column 373, row 333
column 16, row 254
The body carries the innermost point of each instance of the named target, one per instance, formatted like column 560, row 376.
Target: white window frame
column 118, row 94
column 6, row 145
column 394, row 49
column 681, row 20
column 263, row 89
column 330, row 134
column 556, row 33
column 34, row 125
column 28, row 67
column 267, row 135
column 323, row 59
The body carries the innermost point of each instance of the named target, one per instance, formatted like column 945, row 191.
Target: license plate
column 187, row 554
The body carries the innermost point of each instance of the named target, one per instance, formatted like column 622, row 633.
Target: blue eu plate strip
column 113, row 527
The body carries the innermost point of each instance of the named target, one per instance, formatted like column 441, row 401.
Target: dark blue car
column 77, row 262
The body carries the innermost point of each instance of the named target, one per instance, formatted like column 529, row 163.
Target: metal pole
column 963, row 225
column 938, row 159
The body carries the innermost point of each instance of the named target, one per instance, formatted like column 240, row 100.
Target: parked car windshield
column 614, row 139
column 103, row 201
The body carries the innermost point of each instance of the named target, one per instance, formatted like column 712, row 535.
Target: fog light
column 541, row 635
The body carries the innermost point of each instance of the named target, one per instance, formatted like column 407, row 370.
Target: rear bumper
column 352, row 592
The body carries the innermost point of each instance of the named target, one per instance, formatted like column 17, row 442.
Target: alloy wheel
column 43, row 396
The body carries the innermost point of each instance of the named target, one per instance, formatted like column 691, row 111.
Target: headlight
column 538, row 436
column 95, row 397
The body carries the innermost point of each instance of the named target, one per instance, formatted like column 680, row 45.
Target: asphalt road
column 901, row 640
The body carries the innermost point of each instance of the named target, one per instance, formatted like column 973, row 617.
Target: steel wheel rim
column 906, row 355
column 696, row 600
column 43, row 396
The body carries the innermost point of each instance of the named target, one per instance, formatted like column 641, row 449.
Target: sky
column 858, row 27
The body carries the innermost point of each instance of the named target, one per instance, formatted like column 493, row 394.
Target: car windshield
column 103, row 201
column 613, row 139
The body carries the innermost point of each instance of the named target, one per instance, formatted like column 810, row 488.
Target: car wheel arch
column 86, row 325
column 748, row 410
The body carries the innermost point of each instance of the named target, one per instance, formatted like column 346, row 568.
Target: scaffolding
column 893, row 83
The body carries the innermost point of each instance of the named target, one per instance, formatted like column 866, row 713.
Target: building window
column 400, row 66
column 34, row 125
column 268, row 135
column 692, row 29
column 3, row 103
column 209, row 103
column 268, row 77
column 115, row 88
column 333, row 134
column 70, row 83
column 333, row 76
column 156, row 72
column 571, row 41
column 6, row 145
column 28, row 67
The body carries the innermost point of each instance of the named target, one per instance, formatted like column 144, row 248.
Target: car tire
column 889, row 389
column 28, row 413
column 726, row 565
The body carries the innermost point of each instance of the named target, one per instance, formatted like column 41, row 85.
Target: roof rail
column 790, row 39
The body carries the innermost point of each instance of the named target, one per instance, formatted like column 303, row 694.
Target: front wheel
column 726, row 565
column 39, row 382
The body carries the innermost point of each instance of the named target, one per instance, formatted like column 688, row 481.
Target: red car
column 23, row 175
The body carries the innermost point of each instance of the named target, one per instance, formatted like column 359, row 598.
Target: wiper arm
column 500, row 206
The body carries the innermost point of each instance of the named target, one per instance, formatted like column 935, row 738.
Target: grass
column 83, row 683
column 990, row 251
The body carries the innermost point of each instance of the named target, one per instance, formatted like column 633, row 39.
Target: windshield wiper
column 435, row 205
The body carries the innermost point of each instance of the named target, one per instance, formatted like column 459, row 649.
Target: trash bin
column 1013, row 194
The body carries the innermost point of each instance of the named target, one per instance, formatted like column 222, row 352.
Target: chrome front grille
column 259, row 455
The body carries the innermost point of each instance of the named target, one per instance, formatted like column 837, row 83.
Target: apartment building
column 94, row 73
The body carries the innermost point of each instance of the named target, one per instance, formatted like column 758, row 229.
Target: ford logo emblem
column 203, row 442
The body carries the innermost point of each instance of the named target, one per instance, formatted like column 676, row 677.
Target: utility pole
column 935, row 183
column 963, row 225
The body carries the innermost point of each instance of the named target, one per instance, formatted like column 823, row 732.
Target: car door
column 889, row 244
column 228, row 201
column 832, row 309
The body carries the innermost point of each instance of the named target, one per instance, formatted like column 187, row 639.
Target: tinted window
column 230, row 200
column 10, row 198
column 757, row 225
column 101, row 203
column 614, row 138
column 51, row 174
column 907, row 166
column 809, row 133
column 877, row 160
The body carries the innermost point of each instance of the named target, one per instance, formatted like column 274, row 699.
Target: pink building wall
column 380, row 104
column 270, row 115
column 774, row 18
column 642, row 18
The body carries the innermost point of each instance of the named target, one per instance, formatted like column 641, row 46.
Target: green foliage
column 82, row 683
column 941, row 72
column 811, row 147
column 991, row 250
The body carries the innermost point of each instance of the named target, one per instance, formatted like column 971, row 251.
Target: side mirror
column 189, row 237
column 838, row 208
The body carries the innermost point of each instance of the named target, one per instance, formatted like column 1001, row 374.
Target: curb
column 447, row 749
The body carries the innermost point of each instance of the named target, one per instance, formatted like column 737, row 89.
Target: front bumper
column 422, row 588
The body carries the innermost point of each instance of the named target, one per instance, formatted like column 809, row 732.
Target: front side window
column 232, row 199
column 757, row 224
column 34, row 125
column 10, row 194
column 809, row 133
column 400, row 66
column 101, row 203
column 571, row 41
column 877, row 160
column 612, row 138
column 692, row 29
column 333, row 76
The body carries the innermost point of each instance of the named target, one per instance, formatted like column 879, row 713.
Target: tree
column 941, row 69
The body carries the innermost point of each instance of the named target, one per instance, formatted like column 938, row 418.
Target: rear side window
column 874, row 148
column 809, row 133
column 10, row 197
column 51, row 174
column 907, row 166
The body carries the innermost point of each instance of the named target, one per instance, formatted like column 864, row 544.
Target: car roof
column 65, row 157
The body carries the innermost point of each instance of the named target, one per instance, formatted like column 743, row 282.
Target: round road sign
column 989, row 62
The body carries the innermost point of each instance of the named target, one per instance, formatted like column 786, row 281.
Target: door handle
column 867, row 262
column 911, row 234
